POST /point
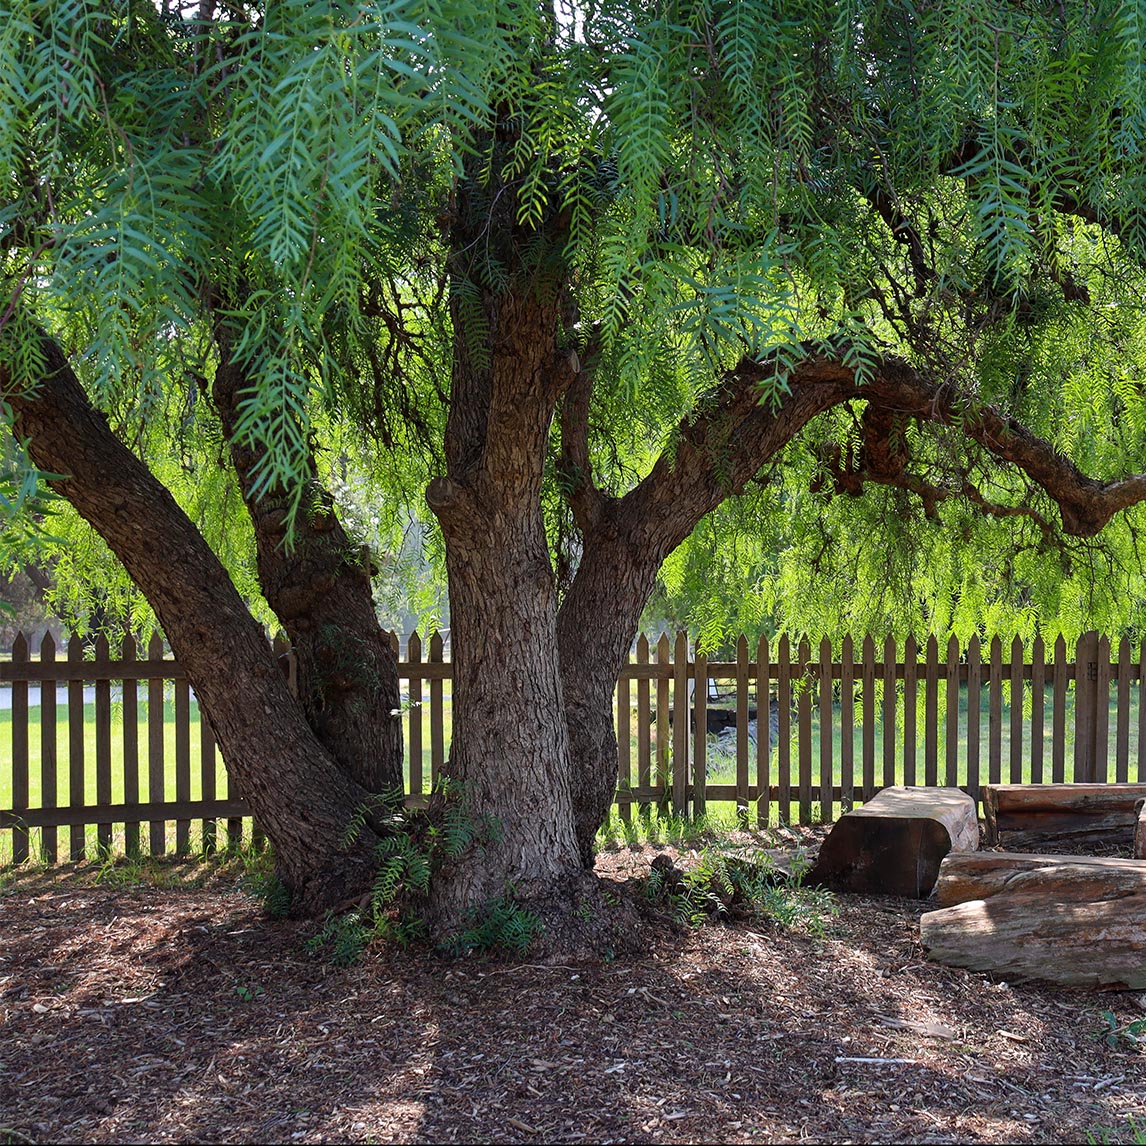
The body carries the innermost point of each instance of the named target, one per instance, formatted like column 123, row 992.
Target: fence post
column 700, row 734
column 1086, row 708
column 680, row 784
column 20, row 754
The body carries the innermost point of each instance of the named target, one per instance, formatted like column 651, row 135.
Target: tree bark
column 299, row 795
column 627, row 539
column 318, row 584
column 894, row 844
column 714, row 455
column 1026, row 813
column 510, row 748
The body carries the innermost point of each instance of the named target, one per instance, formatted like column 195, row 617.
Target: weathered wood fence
column 117, row 741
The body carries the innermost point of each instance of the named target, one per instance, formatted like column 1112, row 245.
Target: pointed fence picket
column 846, row 725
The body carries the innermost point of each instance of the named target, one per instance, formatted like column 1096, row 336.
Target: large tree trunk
column 299, row 795
column 510, row 749
column 510, row 753
column 625, row 542
column 318, row 584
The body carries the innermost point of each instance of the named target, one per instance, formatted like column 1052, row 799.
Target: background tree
column 620, row 262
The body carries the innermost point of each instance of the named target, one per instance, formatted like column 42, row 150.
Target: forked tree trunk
column 299, row 795
column 625, row 541
column 510, row 748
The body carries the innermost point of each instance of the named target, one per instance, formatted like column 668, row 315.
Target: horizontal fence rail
column 111, row 740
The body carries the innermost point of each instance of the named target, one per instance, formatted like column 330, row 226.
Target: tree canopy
column 957, row 182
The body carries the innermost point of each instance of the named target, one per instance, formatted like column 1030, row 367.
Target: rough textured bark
column 510, row 748
column 318, row 585
column 627, row 539
column 714, row 455
column 894, row 844
column 301, row 798
column 1085, row 503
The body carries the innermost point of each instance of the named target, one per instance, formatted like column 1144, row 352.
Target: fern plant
column 413, row 849
column 721, row 887
column 501, row 924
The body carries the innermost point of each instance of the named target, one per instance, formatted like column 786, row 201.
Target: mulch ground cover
column 145, row 1014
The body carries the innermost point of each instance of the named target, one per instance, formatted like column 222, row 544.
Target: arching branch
column 1086, row 504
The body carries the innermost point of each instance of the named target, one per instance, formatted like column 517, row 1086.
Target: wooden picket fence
column 126, row 754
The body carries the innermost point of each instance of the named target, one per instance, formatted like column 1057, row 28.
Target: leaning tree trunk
column 299, row 795
column 318, row 585
column 625, row 541
column 595, row 628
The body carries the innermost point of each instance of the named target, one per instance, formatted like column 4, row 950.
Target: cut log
column 1036, row 934
column 964, row 876
column 894, row 844
column 1139, row 851
column 1027, row 813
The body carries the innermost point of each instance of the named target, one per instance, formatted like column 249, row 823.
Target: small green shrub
column 342, row 939
column 1131, row 1034
column 500, row 924
column 417, row 845
column 271, row 890
column 720, row 887
column 1134, row 1134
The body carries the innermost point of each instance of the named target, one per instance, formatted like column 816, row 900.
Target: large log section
column 964, row 876
column 1076, row 812
column 893, row 844
column 1073, row 920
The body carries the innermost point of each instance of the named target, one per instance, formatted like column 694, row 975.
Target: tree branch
column 210, row 629
column 586, row 500
column 318, row 584
column 1086, row 505
column 719, row 450
column 904, row 232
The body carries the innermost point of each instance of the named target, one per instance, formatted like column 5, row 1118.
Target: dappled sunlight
column 147, row 1014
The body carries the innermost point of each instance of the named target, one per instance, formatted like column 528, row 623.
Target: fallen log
column 1036, row 934
column 965, row 876
column 1079, row 813
column 894, row 844
column 1139, row 849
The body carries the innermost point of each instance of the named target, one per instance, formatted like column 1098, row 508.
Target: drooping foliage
column 961, row 184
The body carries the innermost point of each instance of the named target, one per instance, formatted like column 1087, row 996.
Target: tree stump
column 1070, row 920
column 894, row 844
column 1076, row 812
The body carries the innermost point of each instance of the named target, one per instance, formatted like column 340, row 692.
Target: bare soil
column 138, row 1013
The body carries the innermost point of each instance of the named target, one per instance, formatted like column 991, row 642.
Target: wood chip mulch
column 139, row 1014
